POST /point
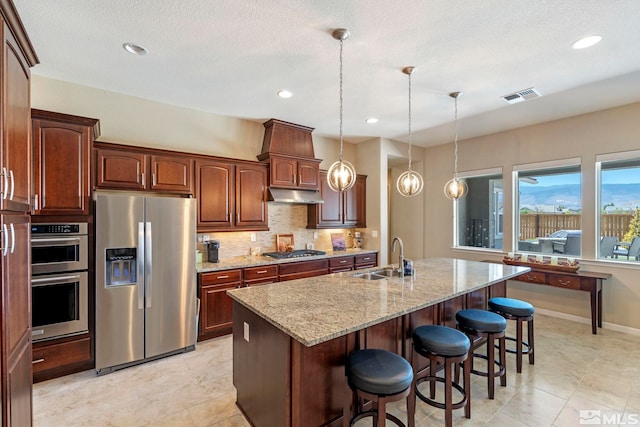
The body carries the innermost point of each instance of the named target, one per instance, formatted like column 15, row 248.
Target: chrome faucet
column 400, row 254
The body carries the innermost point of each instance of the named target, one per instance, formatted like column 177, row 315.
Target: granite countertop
column 321, row 308
column 254, row 261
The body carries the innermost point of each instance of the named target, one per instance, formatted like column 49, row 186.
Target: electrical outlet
column 374, row 233
column 310, row 246
column 205, row 238
column 246, row 331
column 315, row 234
column 253, row 237
column 200, row 238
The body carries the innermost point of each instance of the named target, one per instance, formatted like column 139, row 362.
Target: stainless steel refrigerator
column 145, row 278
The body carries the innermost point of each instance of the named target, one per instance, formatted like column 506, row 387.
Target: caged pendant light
column 341, row 175
column 455, row 189
column 409, row 183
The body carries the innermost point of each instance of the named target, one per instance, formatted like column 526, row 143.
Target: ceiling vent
column 521, row 95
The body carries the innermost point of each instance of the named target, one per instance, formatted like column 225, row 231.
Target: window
column 479, row 214
column 619, row 203
column 549, row 208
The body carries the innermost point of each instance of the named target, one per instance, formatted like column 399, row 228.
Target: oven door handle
column 59, row 279
column 65, row 240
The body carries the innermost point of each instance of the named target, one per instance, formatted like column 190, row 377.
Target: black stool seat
column 511, row 306
column 440, row 340
column 481, row 320
column 378, row 372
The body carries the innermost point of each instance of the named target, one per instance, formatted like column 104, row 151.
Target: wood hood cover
column 286, row 139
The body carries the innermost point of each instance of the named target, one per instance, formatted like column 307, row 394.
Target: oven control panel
column 80, row 228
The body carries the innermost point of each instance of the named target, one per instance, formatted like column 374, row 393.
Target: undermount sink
column 384, row 273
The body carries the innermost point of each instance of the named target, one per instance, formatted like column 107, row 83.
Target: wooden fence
column 543, row 224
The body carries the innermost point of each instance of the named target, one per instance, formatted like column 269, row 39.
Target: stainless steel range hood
column 284, row 195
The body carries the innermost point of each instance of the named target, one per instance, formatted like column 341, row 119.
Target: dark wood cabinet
column 16, row 319
column 231, row 196
column 15, row 204
column 365, row 261
column 291, row 172
column 61, row 159
column 302, row 269
column 215, row 304
column 340, row 264
column 262, row 275
column 55, row 358
column 339, row 210
column 134, row 168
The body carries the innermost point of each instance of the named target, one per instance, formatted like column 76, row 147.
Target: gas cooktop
column 294, row 254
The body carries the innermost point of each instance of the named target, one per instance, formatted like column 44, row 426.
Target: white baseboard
column 605, row 325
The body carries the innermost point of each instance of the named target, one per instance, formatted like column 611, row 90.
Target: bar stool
column 444, row 347
column 520, row 311
column 381, row 377
column 482, row 326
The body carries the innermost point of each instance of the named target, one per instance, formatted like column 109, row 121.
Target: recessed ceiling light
column 284, row 93
column 371, row 120
column 586, row 42
column 134, row 49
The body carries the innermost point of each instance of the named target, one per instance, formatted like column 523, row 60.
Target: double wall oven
column 59, row 280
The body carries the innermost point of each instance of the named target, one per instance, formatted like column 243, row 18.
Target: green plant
column 634, row 227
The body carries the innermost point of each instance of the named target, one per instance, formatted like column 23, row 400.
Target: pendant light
column 341, row 175
column 455, row 189
column 409, row 183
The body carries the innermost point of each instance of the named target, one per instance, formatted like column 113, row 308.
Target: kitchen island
column 290, row 340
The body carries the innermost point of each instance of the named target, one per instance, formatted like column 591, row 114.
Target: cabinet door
column 355, row 203
column 251, row 196
column 308, row 174
column 214, row 191
column 120, row 169
column 330, row 212
column 16, row 317
column 16, row 127
column 171, row 173
column 216, row 309
column 61, row 168
column 283, row 172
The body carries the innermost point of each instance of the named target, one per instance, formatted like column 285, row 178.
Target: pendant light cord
column 341, row 138
column 409, row 122
column 455, row 141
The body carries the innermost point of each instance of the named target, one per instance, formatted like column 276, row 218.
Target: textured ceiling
column 230, row 57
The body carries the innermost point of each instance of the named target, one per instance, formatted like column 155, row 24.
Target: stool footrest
column 435, row 403
column 512, row 351
column 373, row 413
column 500, row 372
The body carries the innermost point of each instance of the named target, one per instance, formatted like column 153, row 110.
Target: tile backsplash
column 283, row 219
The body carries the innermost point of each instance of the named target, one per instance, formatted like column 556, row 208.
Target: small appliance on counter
column 357, row 240
column 212, row 250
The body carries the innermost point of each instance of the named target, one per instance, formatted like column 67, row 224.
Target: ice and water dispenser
column 121, row 267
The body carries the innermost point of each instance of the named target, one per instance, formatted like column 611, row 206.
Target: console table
column 588, row 281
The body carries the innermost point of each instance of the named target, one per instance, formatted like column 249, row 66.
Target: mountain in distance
column 548, row 198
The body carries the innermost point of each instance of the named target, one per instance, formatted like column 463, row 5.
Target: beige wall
column 584, row 136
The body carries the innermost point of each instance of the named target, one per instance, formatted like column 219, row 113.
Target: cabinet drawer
column 57, row 355
column 564, row 281
column 262, row 272
column 366, row 259
column 341, row 262
column 304, row 266
column 219, row 277
column 532, row 277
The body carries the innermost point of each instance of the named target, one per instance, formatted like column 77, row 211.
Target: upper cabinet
column 231, row 195
column 339, row 210
column 288, row 148
column 61, row 160
column 133, row 168
column 15, row 144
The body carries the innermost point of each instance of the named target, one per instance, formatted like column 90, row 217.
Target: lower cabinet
column 53, row 359
column 365, row 261
column 262, row 275
column 340, row 264
column 215, row 304
column 302, row 269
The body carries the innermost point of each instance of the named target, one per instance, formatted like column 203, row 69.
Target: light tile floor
column 575, row 371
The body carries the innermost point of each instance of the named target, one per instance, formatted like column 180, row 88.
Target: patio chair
column 632, row 251
column 570, row 247
column 607, row 245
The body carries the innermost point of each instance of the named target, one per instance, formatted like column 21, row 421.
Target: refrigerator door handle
column 141, row 254
column 147, row 263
